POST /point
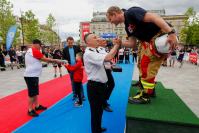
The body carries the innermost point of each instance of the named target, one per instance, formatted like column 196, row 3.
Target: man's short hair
column 113, row 9
column 36, row 41
column 86, row 36
column 69, row 38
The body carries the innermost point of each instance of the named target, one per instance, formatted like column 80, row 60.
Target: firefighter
column 145, row 27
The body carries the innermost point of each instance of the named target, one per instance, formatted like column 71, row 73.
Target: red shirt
column 77, row 69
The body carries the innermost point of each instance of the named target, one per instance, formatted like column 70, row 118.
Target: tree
column 50, row 21
column 31, row 26
column 6, row 19
column 47, row 35
column 190, row 33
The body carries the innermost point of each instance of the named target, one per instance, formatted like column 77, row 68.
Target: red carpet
column 13, row 108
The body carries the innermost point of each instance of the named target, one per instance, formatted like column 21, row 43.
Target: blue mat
column 63, row 117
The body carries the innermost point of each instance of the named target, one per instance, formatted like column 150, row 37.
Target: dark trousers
column 134, row 57
column 110, row 84
column 121, row 58
column 96, row 96
column 2, row 64
column 78, row 87
column 72, row 82
column 20, row 59
column 73, row 86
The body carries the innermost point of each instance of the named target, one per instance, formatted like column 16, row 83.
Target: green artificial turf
column 166, row 107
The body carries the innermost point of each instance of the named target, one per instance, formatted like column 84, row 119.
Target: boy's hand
column 64, row 62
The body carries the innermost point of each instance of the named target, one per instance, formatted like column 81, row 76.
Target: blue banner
column 10, row 36
column 108, row 35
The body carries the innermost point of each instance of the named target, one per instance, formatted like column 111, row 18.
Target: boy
column 78, row 77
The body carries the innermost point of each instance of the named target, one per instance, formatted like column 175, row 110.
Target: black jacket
column 66, row 55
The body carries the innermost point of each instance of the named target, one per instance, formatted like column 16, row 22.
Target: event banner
column 85, row 29
column 193, row 57
column 10, row 36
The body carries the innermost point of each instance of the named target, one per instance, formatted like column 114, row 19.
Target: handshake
column 62, row 62
column 117, row 41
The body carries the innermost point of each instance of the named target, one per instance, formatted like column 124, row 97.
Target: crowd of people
column 178, row 56
column 13, row 57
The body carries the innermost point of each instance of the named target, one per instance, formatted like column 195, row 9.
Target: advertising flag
column 10, row 36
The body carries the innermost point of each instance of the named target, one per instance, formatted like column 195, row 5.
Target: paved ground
column 12, row 81
column 184, row 81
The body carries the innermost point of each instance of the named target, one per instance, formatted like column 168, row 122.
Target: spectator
column 69, row 54
column 57, row 54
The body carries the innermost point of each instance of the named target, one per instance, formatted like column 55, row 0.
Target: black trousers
column 134, row 57
column 110, row 84
column 96, row 96
column 78, row 87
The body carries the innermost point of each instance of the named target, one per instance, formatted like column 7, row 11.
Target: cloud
column 69, row 13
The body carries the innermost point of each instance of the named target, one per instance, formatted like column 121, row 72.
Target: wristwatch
column 171, row 32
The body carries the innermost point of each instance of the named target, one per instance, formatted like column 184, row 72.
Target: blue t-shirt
column 135, row 26
column 72, row 56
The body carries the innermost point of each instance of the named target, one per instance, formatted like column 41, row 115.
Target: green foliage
column 47, row 35
column 6, row 19
column 30, row 26
column 50, row 22
column 190, row 33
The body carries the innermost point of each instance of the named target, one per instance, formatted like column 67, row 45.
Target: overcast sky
column 68, row 13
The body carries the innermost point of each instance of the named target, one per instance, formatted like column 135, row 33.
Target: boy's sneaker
column 77, row 104
column 40, row 108
column 32, row 113
column 55, row 76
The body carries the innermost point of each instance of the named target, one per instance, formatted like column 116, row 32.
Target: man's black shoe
column 32, row 113
column 103, row 129
column 40, row 108
column 108, row 109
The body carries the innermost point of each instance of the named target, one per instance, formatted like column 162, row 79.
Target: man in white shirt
column 97, row 78
column 32, row 72
column 110, row 83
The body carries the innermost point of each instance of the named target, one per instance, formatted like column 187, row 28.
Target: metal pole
column 22, row 28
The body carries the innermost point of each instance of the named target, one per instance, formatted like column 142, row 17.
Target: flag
column 10, row 36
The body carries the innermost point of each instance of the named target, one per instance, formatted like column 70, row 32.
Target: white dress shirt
column 94, row 65
column 102, row 50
